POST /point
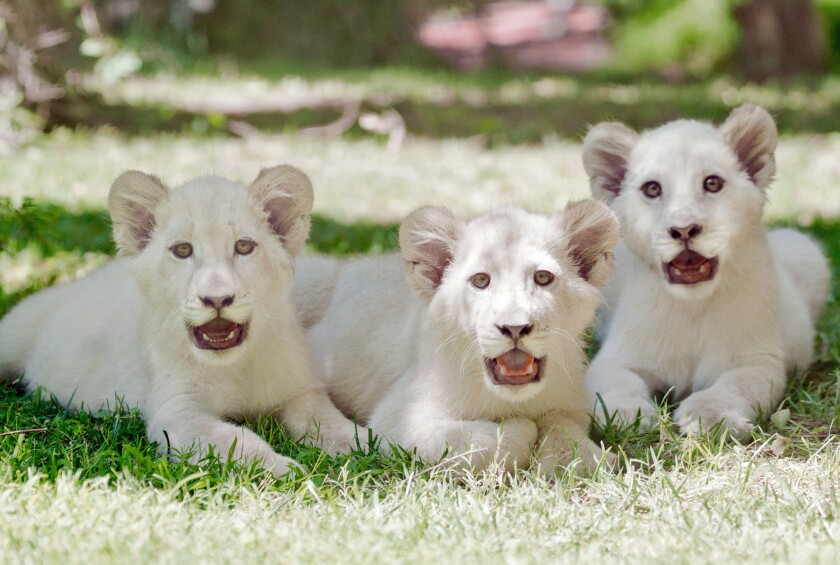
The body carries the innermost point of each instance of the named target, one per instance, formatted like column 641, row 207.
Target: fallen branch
column 339, row 126
column 30, row 431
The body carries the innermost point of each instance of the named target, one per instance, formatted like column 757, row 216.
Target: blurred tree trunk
column 40, row 56
column 335, row 32
column 780, row 38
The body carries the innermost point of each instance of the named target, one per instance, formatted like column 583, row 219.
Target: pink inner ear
column 591, row 235
column 275, row 218
column 751, row 134
column 585, row 249
column 438, row 259
column 613, row 168
column 751, row 156
column 143, row 228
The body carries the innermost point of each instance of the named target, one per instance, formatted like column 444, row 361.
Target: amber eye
column 713, row 183
column 543, row 278
column 652, row 189
column 480, row 280
column 181, row 250
column 244, row 246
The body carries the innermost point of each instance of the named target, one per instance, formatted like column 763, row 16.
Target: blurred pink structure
column 548, row 34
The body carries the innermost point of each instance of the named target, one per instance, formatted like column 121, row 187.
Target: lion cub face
column 508, row 290
column 688, row 194
column 211, row 256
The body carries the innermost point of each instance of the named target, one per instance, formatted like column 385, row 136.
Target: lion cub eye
column 181, row 250
column 480, row 280
column 713, row 183
column 543, row 278
column 652, row 189
column 244, row 246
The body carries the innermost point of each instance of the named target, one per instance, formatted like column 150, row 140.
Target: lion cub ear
column 132, row 201
column 427, row 241
column 285, row 194
column 590, row 231
column 606, row 150
column 751, row 134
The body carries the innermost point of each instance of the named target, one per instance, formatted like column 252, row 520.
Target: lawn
column 89, row 488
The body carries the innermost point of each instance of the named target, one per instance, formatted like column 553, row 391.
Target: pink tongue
column 515, row 361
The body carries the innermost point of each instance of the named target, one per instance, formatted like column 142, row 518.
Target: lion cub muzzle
column 220, row 333
column 689, row 267
column 517, row 366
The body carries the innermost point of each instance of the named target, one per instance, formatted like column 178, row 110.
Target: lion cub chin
column 193, row 324
column 483, row 359
column 705, row 305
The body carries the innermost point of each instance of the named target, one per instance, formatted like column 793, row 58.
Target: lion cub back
column 366, row 312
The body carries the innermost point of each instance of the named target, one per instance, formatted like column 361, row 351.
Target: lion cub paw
column 624, row 412
column 583, row 457
column 701, row 413
column 517, row 437
column 592, row 457
column 278, row 465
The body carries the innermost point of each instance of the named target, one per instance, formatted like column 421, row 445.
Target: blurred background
column 92, row 63
column 386, row 104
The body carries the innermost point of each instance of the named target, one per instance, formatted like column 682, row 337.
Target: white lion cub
column 484, row 356
column 705, row 303
column 193, row 324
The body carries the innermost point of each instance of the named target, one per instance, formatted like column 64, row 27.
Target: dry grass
column 736, row 506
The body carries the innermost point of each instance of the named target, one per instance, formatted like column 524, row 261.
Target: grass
column 90, row 488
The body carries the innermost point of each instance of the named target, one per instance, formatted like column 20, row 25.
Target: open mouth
column 689, row 267
column 516, row 367
column 219, row 334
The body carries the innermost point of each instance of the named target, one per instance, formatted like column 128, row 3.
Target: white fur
column 412, row 364
column 121, row 334
column 723, row 346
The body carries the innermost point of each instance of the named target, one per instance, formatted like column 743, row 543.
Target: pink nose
column 686, row 233
column 515, row 332
column 217, row 302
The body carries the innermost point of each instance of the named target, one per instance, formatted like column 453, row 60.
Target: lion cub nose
column 686, row 233
column 217, row 302
column 515, row 332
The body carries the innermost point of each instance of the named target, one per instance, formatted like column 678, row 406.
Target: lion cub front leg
column 473, row 444
column 182, row 430
column 733, row 401
column 313, row 415
column 619, row 395
column 509, row 442
column 564, row 438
